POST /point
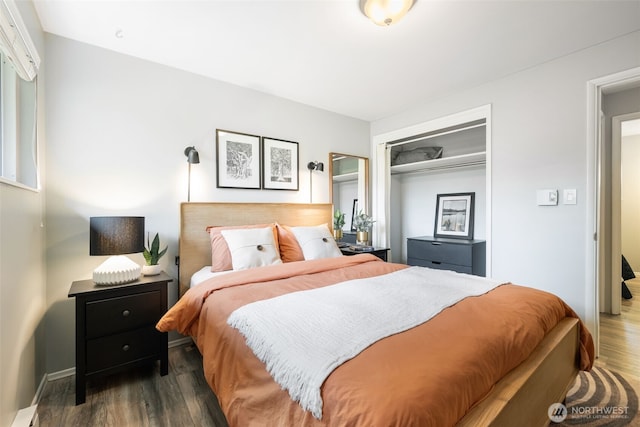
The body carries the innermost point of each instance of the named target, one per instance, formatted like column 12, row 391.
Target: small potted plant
column 363, row 223
column 338, row 223
column 152, row 255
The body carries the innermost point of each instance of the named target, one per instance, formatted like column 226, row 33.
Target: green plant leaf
column 152, row 253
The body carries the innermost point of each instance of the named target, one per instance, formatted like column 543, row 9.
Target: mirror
column 349, row 188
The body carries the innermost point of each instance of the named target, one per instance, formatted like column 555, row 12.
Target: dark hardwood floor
column 137, row 397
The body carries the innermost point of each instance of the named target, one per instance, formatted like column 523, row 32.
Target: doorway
column 606, row 101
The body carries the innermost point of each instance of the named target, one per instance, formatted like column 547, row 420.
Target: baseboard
column 61, row 374
column 40, row 389
column 180, row 341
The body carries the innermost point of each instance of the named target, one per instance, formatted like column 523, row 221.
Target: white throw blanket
column 303, row 336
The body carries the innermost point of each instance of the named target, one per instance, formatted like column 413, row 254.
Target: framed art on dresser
column 237, row 160
column 454, row 216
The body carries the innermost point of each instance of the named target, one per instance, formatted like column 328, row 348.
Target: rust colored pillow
column 220, row 255
column 290, row 250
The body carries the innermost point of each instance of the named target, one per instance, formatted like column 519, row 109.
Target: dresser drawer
column 122, row 348
column 450, row 253
column 440, row 265
column 113, row 315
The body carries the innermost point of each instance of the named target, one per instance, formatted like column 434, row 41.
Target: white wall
column 117, row 129
column 538, row 141
column 22, row 274
column 631, row 200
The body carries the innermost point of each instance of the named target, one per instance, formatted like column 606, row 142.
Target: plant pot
column 151, row 270
column 337, row 234
column 362, row 238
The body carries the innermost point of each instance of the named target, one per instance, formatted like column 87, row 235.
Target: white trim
column 40, row 390
column 595, row 89
column 61, row 374
column 6, row 181
column 180, row 341
column 381, row 172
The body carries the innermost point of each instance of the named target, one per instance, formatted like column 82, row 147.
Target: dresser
column 463, row 256
column 115, row 327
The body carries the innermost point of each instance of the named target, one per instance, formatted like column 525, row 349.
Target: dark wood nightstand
column 379, row 252
column 115, row 327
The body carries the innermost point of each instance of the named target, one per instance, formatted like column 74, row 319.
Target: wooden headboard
column 195, row 245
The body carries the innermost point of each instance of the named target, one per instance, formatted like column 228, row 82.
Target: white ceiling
column 325, row 53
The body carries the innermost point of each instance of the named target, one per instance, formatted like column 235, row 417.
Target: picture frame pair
column 245, row 161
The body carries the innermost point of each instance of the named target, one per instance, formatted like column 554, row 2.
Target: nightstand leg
column 80, row 389
column 164, row 358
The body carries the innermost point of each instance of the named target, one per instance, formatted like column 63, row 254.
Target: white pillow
column 251, row 247
column 316, row 242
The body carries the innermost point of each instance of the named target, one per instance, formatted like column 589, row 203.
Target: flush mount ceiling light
column 385, row 12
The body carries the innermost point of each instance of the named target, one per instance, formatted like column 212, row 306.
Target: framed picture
column 354, row 212
column 454, row 216
column 279, row 164
column 237, row 160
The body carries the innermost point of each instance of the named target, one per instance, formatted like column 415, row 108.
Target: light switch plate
column 570, row 196
column 547, row 197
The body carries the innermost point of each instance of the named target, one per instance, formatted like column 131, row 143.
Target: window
column 18, row 100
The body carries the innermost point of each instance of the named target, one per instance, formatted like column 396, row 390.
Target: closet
column 415, row 164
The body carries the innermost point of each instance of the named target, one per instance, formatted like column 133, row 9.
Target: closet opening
column 414, row 165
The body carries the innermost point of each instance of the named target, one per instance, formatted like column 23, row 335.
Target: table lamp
column 117, row 236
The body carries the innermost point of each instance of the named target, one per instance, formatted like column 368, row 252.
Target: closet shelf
column 462, row 160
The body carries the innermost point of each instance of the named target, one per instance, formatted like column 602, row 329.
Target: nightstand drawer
column 440, row 252
column 113, row 315
column 440, row 265
column 122, row 348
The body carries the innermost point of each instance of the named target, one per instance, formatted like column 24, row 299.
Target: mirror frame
column 332, row 155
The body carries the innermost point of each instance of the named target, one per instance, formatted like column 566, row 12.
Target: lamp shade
column 116, row 235
column 318, row 166
column 192, row 155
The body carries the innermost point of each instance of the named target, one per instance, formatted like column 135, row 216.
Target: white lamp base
column 116, row 270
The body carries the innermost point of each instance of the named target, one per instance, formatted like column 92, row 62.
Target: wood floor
column 620, row 336
column 137, row 398
column 183, row 398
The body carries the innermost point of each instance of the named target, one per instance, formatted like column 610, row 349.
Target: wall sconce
column 318, row 166
column 116, row 235
column 192, row 158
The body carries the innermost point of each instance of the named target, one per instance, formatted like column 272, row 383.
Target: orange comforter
column 428, row 376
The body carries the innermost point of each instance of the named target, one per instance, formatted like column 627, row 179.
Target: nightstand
column 379, row 252
column 115, row 327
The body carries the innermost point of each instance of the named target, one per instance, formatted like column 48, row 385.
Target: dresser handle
column 436, row 262
column 125, row 347
column 436, row 243
column 125, row 313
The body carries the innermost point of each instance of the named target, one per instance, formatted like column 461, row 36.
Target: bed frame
column 521, row 397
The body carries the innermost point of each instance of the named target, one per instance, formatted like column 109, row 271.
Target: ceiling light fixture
column 385, row 12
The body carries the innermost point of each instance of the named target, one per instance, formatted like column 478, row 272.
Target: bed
column 378, row 386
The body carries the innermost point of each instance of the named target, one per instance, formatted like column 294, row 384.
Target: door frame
column 594, row 229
